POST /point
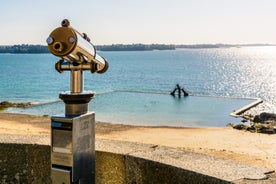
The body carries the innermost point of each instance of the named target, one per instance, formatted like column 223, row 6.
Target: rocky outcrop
column 265, row 118
column 262, row 123
column 6, row 104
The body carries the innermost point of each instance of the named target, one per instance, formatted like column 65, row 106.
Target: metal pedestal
column 73, row 141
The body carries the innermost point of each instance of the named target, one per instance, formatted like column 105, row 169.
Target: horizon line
column 226, row 44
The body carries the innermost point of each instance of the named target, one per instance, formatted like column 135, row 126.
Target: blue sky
column 143, row 21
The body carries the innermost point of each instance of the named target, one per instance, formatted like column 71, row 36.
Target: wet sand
column 251, row 148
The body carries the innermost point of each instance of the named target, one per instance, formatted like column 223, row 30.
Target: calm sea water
column 247, row 72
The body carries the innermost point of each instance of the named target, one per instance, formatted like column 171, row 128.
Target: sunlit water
column 247, row 72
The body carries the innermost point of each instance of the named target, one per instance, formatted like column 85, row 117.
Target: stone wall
column 121, row 162
column 30, row 163
column 24, row 163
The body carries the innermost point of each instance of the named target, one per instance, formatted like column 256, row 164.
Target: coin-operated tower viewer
column 73, row 133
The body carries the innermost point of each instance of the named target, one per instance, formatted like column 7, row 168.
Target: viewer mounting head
column 79, row 53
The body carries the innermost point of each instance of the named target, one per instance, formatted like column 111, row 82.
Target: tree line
column 26, row 48
column 134, row 47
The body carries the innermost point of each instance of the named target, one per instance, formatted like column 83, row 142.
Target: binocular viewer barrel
column 76, row 48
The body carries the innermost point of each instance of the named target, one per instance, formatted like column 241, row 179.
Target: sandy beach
column 251, row 148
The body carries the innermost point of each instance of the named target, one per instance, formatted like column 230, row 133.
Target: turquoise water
column 154, row 109
column 232, row 72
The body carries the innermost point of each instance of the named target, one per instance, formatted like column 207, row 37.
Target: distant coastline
column 40, row 49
